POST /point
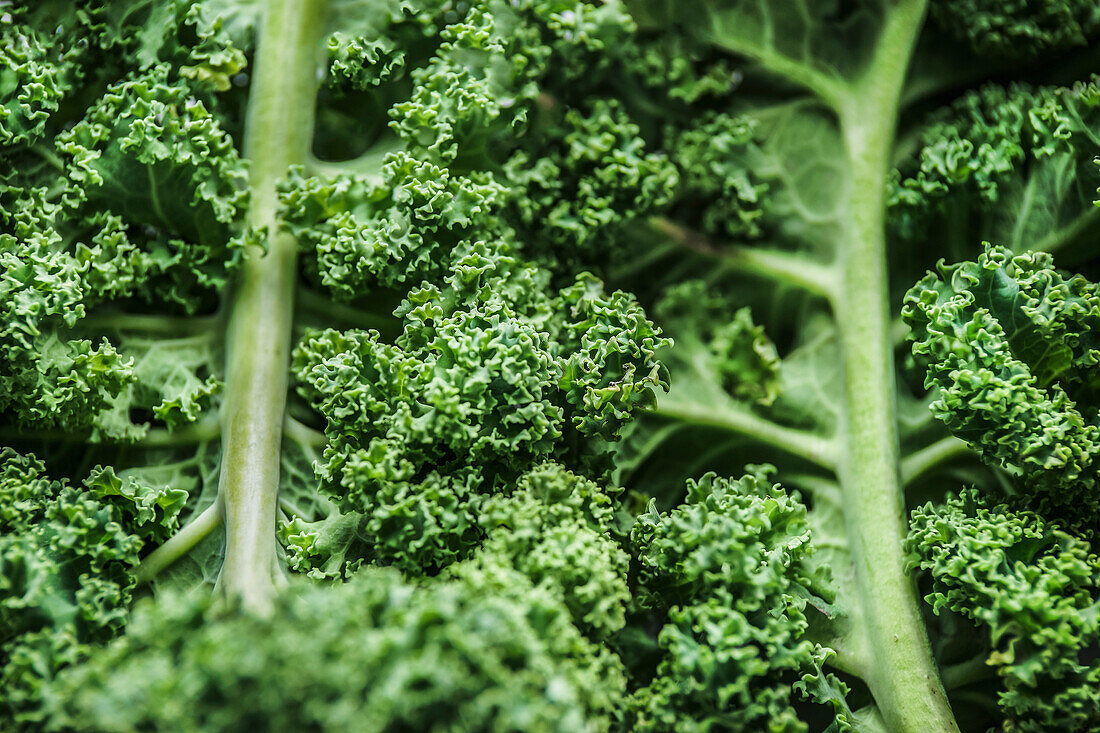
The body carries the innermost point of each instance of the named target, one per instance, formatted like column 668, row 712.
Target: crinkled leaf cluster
column 491, row 375
column 66, row 559
column 493, row 134
column 1019, row 28
column 728, row 567
column 132, row 192
column 1008, row 164
column 558, row 530
column 483, row 652
column 1033, row 590
column 721, row 187
column 1010, row 345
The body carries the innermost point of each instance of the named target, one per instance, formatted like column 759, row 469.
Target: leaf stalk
column 903, row 677
column 278, row 132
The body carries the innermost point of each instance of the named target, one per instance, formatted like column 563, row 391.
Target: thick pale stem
column 903, row 676
column 277, row 135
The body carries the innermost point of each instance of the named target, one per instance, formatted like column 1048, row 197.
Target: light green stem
column 811, row 447
column 150, row 324
column 179, row 544
column 303, row 434
column 943, row 451
column 783, row 268
column 277, row 135
column 1057, row 239
column 902, row 675
column 830, row 89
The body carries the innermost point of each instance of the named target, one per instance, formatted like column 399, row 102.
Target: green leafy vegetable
column 728, row 568
column 1012, row 353
column 375, row 654
column 67, row 556
column 1031, row 587
column 391, row 365
column 1027, row 26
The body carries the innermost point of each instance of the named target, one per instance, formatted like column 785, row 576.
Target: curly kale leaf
column 1011, row 348
column 106, row 39
column 719, row 183
column 1032, row 588
column 66, row 559
column 367, row 235
column 150, row 152
column 33, row 84
column 491, row 376
column 556, row 529
column 1013, row 165
column 493, row 134
column 140, row 198
column 1019, row 28
column 728, row 567
column 576, row 184
column 735, row 349
column 482, row 652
